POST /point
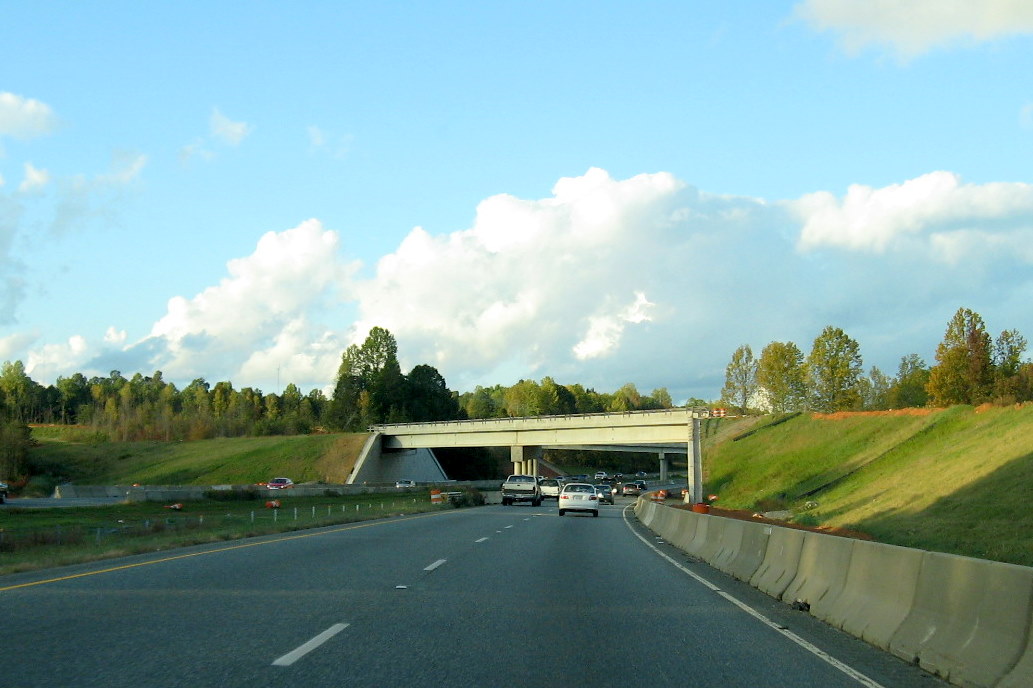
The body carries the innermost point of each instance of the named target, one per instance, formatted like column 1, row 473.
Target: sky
column 599, row 192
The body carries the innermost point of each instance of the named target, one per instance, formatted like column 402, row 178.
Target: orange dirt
column 743, row 515
column 840, row 415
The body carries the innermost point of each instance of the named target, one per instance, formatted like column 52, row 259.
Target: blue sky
column 599, row 192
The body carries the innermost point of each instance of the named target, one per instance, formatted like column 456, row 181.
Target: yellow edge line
column 366, row 524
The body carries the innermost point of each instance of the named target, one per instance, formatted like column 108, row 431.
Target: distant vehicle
column 521, row 488
column 578, row 497
column 601, row 475
column 605, row 493
column 280, row 483
column 550, row 488
column 640, row 474
column 405, row 483
column 631, row 489
column 3, row 492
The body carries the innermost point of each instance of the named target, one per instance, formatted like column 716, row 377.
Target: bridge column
column 665, row 465
column 695, row 468
column 525, row 459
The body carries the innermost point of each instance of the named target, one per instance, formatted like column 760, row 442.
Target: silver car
column 606, row 492
column 579, row 497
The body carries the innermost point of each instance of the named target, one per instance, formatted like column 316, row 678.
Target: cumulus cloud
column 935, row 205
column 605, row 281
column 34, row 179
column 226, row 130
column 24, row 118
column 251, row 319
column 917, row 26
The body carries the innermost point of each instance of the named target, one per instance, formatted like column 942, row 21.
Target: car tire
column 536, row 502
column 596, row 514
column 562, row 512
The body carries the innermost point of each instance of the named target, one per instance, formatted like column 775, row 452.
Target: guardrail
column 967, row 620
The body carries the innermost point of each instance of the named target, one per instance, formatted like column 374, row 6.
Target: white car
column 601, row 475
column 405, row 483
column 578, row 497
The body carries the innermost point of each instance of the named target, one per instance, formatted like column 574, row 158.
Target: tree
column 963, row 373
column 427, row 397
column 1007, row 360
column 908, row 388
column 781, row 377
column 833, row 371
column 874, row 390
column 740, row 378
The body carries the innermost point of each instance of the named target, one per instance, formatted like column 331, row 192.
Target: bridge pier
column 525, row 459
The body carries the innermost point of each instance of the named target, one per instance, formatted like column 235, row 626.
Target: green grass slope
column 954, row 480
column 81, row 457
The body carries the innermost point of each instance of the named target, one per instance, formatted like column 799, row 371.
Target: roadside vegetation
column 44, row 538
column 954, row 480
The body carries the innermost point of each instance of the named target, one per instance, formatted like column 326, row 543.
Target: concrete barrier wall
column 744, row 560
column 778, row 569
column 967, row 620
column 821, row 573
column 880, row 589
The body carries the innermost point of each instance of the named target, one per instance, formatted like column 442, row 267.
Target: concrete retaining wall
column 967, row 620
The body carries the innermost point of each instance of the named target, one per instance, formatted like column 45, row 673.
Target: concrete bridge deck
column 666, row 431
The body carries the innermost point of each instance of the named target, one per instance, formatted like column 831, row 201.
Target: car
column 640, row 474
column 405, row 483
column 605, row 492
column 280, row 483
column 578, row 497
column 600, row 475
column 550, row 488
column 631, row 489
column 3, row 492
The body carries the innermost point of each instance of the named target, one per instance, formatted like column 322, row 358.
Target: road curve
column 492, row 596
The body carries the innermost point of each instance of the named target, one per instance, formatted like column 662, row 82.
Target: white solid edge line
column 302, row 650
column 816, row 651
column 436, row 564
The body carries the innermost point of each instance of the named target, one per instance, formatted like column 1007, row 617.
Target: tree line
column 971, row 368
column 369, row 388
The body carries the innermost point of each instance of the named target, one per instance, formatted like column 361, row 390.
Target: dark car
column 631, row 489
column 606, row 492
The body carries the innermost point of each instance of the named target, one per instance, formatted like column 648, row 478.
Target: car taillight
column 594, row 497
column 564, row 497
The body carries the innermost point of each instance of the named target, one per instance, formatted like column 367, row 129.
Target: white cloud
column 24, row 118
column 603, row 282
column 874, row 219
column 245, row 319
column 914, row 27
column 604, row 331
column 34, row 179
column 226, row 130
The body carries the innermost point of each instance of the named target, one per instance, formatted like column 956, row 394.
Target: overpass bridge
column 665, row 432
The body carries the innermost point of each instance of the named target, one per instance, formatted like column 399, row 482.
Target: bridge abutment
column 525, row 459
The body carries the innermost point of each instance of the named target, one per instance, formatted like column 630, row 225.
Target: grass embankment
column 82, row 457
column 956, row 480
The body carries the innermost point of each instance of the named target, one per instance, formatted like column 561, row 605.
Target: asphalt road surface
column 493, row 596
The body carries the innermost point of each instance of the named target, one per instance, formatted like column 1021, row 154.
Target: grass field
column 43, row 538
column 955, row 480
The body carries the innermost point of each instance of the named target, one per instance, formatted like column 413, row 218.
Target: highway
column 492, row 596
